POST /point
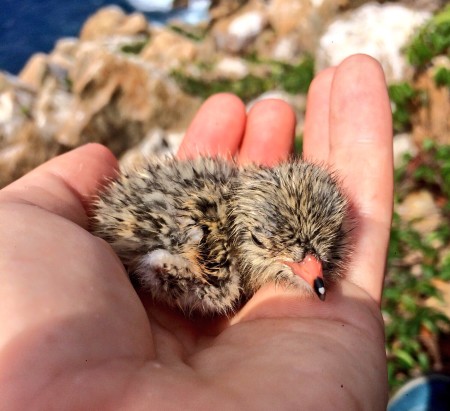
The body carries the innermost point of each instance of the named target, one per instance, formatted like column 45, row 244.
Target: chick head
column 286, row 216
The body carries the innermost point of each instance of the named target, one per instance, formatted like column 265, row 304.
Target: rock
column 287, row 48
column 428, row 5
column 441, row 303
column 63, row 53
column 22, row 147
column 86, row 91
column 34, row 71
column 53, row 105
column 16, row 104
column 378, row 30
column 220, row 9
column 299, row 24
column 168, row 50
column 111, row 20
column 117, row 99
column 420, row 209
column 403, row 145
column 236, row 33
column 157, row 142
column 432, row 119
column 114, row 85
column 231, row 67
column 286, row 15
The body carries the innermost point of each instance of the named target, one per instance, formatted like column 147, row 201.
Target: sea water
column 30, row 26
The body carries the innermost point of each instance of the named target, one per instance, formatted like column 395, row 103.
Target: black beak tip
column 319, row 288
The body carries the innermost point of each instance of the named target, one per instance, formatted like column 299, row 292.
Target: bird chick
column 203, row 234
column 167, row 223
column 289, row 225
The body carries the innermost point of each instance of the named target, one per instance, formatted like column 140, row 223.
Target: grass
column 290, row 78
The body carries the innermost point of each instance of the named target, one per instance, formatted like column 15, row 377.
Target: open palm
column 75, row 335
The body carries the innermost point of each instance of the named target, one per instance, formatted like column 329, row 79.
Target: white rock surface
column 247, row 25
column 231, row 67
column 157, row 142
column 236, row 33
column 378, row 30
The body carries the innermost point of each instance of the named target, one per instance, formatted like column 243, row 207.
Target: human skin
column 75, row 335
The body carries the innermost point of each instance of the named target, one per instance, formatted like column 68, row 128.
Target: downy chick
column 167, row 223
column 290, row 225
column 204, row 234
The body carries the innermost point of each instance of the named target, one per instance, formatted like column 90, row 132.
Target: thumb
column 65, row 184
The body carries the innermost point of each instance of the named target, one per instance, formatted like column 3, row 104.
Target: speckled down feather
column 203, row 235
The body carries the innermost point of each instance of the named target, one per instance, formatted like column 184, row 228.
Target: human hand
column 75, row 335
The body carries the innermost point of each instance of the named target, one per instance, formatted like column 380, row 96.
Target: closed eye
column 256, row 241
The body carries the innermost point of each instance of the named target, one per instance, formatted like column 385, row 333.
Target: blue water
column 29, row 26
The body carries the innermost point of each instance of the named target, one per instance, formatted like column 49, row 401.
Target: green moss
column 135, row 47
column 433, row 39
column 291, row 78
column 247, row 88
column 195, row 34
column 402, row 97
column 26, row 111
column 442, row 77
column 296, row 78
column 68, row 83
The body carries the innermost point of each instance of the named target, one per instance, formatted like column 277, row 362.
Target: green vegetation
column 291, row 78
column 135, row 47
column 417, row 260
column 442, row 77
column 402, row 97
column 433, row 39
column 193, row 33
column 247, row 88
column 409, row 281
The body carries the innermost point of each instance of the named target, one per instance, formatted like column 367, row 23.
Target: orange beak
column 310, row 269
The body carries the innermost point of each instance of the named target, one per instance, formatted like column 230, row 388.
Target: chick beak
column 310, row 269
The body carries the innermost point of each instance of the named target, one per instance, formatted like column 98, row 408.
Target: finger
column 269, row 134
column 66, row 184
column 361, row 149
column 316, row 134
column 217, row 128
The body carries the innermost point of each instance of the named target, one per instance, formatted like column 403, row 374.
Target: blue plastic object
column 430, row 393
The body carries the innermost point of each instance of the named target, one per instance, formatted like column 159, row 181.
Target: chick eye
column 256, row 241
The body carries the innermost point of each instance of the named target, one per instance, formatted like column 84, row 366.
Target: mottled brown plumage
column 167, row 223
column 204, row 234
column 284, row 213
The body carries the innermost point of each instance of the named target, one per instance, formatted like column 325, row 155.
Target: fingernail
column 319, row 288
